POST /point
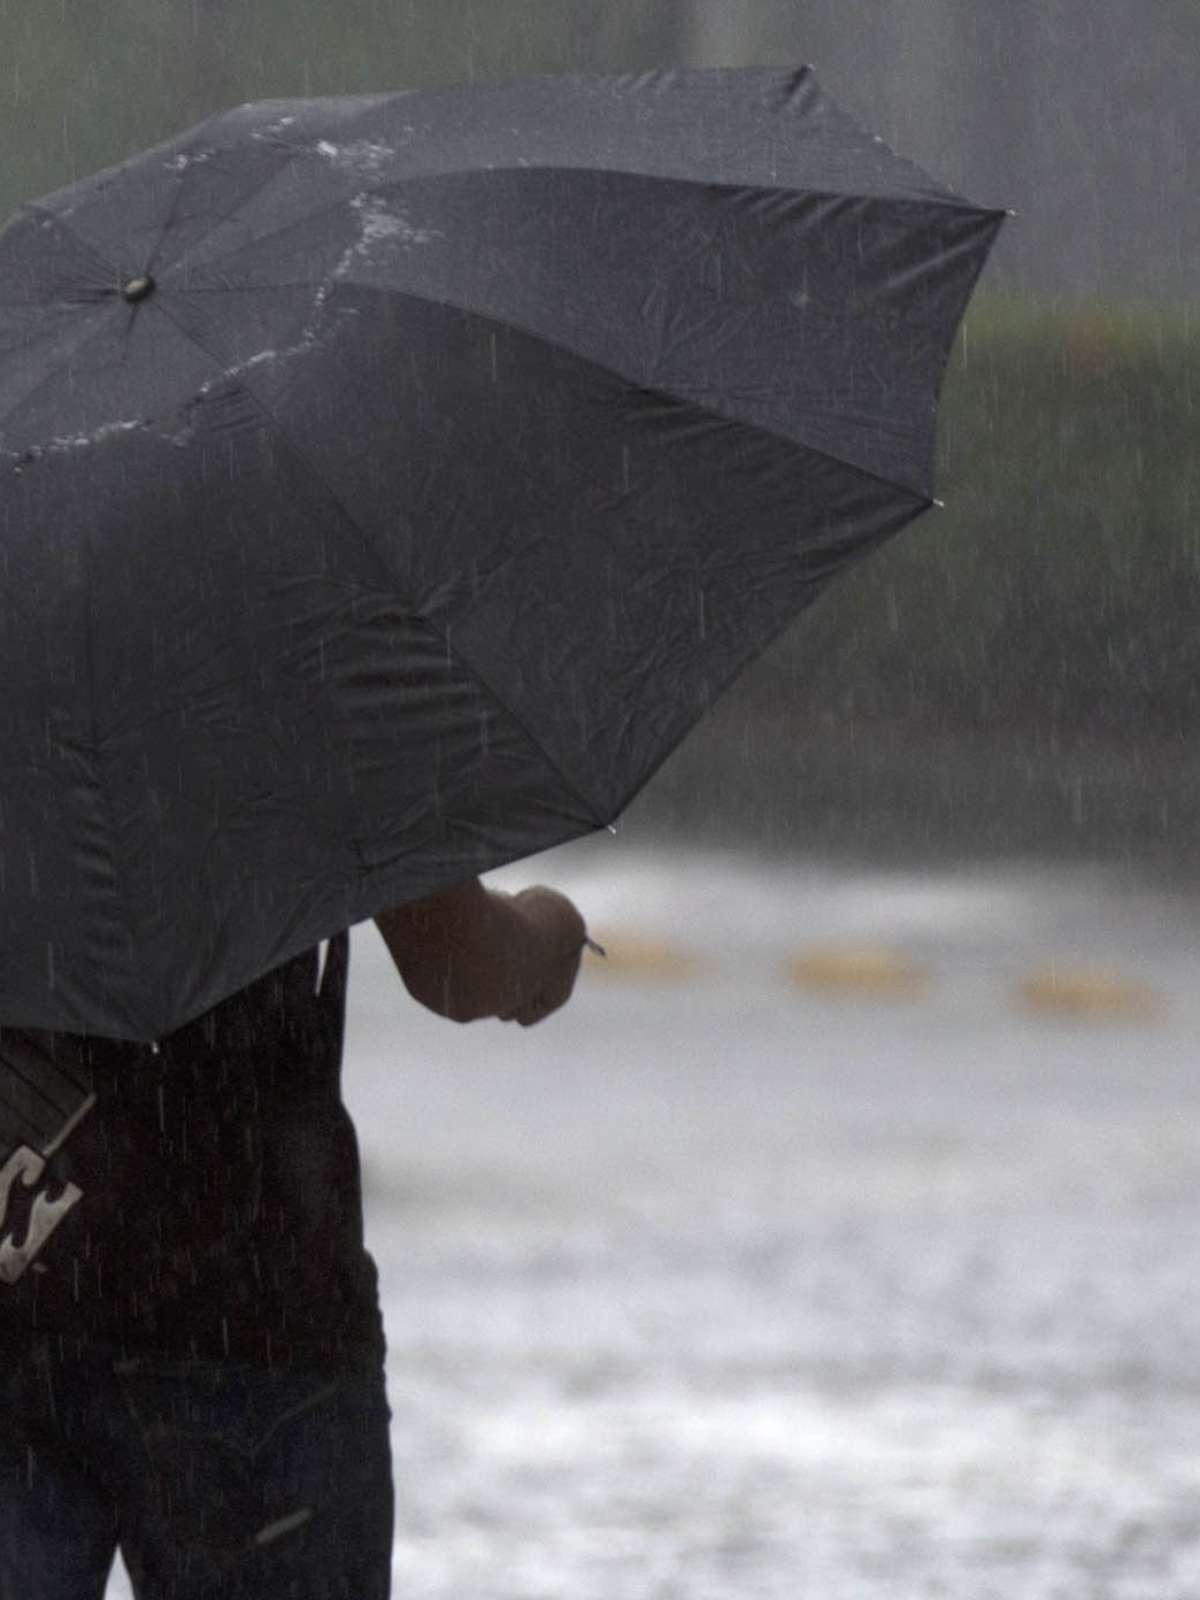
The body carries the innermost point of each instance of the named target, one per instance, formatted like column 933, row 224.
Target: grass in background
column 1062, row 581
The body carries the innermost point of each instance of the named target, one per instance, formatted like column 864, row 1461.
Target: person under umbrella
column 389, row 484
column 201, row 1380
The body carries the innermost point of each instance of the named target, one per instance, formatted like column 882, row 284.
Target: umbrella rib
column 225, row 216
column 482, row 679
column 295, row 151
column 155, row 253
column 298, row 454
column 247, row 199
column 382, row 186
column 649, row 389
column 52, row 377
column 55, row 221
column 72, row 354
column 553, row 344
column 282, row 433
column 152, row 259
column 939, row 193
column 501, row 322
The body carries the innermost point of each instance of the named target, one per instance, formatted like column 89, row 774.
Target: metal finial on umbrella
column 138, row 289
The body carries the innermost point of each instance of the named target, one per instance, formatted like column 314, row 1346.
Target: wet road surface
column 715, row 1286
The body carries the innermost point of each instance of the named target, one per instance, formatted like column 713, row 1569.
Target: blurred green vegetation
column 84, row 85
column 1017, row 675
column 1061, row 584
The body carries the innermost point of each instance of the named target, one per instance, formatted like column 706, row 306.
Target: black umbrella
column 388, row 483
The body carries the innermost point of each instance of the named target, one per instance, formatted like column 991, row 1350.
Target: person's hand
column 470, row 952
column 548, row 957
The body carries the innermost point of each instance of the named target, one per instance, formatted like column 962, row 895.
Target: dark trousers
column 214, row 1479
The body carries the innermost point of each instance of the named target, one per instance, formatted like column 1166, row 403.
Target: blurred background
column 840, row 1238
column 1019, row 672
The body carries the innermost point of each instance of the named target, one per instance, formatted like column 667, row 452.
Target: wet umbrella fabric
column 388, row 483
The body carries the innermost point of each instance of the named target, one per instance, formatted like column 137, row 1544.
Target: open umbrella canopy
column 388, row 483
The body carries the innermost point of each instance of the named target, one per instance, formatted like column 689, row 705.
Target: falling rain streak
column 1011, row 679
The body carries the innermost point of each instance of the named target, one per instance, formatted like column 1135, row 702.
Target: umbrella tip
column 940, row 504
column 138, row 288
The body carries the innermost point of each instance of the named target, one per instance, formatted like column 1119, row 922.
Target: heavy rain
column 839, row 1236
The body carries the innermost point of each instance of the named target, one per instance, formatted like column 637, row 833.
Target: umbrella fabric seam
column 527, row 332
column 34, row 452
column 367, row 190
column 636, row 387
column 164, row 231
column 31, row 208
column 115, row 735
column 952, row 204
column 918, row 506
column 480, row 678
column 295, row 152
column 911, row 516
column 226, row 216
column 344, row 514
column 282, row 433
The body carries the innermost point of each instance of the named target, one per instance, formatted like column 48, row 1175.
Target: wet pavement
column 715, row 1286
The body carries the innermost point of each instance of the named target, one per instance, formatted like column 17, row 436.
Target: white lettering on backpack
column 45, row 1213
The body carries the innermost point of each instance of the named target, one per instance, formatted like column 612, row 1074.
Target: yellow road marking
column 856, row 969
column 1086, row 992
